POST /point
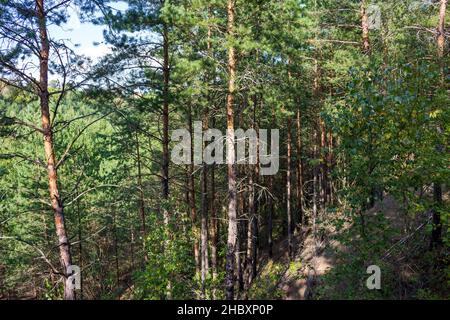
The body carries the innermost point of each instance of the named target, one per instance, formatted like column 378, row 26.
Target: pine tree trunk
column 80, row 246
column 116, row 248
column 365, row 28
column 255, row 197
column 288, row 191
column 270, row 220
column 214, row 231
column 213, row 222
column 315, row 180
column 232, row 222
column 441, row 28
column 132, row 247
column 165, row 143
column 204, row 219
column 299, row 169
column 239, row 244
column 191, row 198
column 330, row 167
column 63, row 241
column 250, row 231
column 141, row 201
column 323, row 166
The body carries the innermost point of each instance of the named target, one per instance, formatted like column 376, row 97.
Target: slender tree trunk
column 213, row 221
column 270, row 219
column 132, row 247
column 239, row 244
column 63, row 241
column 330, row 167
column 191, row 196
column 255, row 197
column 323, row 166
column 255, row 246
column 116, row 248
column 165, row 143
column 441, row 28
column 250, row 231
column 232, row 223
column 315, row 180
column 214, row 225
column 299, row 169
column 316, row 95
column 165, row 114
column 288, row 192
column 204, row 219
column 365, row 28
column 80, row 246
column 141, row 202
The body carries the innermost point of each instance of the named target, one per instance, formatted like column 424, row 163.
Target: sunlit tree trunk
column 365, row 28
column 232, row 222
column 441, row 28
column 63, row 241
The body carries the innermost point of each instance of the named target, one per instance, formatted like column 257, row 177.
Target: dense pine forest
column 225, row 149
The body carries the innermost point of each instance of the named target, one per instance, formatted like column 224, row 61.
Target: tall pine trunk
column 323, row 164
column 63, row 241
column 213, row 220
column 191, row 197
column 288, row 191
column 330, row 167
column 270, row 219
column 214, row 225
column 165, row 144
column 204, row 219
column 365, row 28
column 232, row 222
column 299, row 169
column 141, row 201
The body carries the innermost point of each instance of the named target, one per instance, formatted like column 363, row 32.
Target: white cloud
column 94, row 52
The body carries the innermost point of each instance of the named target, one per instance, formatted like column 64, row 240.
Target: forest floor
column 314, row 261
column 304, row 277
column 317, row 255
